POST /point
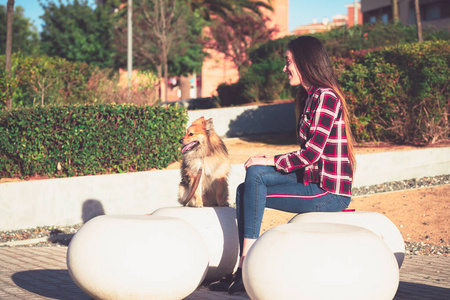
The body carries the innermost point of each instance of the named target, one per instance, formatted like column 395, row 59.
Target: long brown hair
column 312, row 59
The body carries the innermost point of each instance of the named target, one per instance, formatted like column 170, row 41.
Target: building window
column 429, row 12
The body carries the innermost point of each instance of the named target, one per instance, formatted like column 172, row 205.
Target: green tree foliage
column 211, row 9
column 185, row 54
column 26, row 37
column 189, row 56
column 77, row 32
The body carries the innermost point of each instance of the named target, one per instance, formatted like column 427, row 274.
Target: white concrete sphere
column 320, row 261
column 375, row 222
column 218, row 228
column 137, row 257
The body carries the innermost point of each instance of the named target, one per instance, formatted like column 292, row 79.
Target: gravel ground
column 402, row 185
column 57, row 236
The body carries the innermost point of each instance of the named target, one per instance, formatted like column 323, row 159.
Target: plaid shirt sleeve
column 321, row 110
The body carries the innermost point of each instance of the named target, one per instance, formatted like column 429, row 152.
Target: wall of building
column 351, row 14
column 382, row 10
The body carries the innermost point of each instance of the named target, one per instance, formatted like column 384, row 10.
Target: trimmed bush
column 92, row 139
column 400, row 93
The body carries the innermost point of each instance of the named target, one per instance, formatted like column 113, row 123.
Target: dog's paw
column 223, row 202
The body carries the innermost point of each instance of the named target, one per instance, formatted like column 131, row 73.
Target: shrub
column 341, row 41
column 399, row 93
column 89, row 139
column 264, row 80
column 233, row 94
column 43, row 80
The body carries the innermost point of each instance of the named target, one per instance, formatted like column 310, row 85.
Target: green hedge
column 92, row 139
column 400, row 93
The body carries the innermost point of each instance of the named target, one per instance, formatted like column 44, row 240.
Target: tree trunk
column 9, row 32
column 159, row 68
column 394, row 11
column 166, row 78
column 185, row 87
column 418, row 21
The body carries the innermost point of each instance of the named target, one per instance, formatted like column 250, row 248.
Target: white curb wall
column 68, row 201
column 249, row 120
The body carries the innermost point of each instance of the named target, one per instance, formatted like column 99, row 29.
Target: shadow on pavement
column 411, row 291
column 54, row 284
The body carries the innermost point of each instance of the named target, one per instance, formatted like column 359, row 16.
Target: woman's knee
column 255, row 171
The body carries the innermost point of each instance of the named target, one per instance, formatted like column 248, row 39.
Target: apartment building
column 434, row 13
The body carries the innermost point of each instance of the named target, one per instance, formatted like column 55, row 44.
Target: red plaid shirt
column 323, row 155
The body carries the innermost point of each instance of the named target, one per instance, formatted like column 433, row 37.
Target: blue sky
column 301, row 12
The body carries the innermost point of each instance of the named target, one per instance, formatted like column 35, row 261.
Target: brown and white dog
column 203, row 150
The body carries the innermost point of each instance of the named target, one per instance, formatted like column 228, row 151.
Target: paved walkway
column 41, row 273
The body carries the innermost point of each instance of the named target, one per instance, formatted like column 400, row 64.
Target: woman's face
column 291, row 70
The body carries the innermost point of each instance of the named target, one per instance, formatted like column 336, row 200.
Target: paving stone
column 41, row 273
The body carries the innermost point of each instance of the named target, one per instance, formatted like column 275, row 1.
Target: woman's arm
column 260, row 159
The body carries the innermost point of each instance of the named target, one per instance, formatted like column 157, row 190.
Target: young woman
column 317, row 177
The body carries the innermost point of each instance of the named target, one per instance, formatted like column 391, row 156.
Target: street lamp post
column 130, row 46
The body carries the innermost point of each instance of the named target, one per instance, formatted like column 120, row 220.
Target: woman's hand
column 260, row 159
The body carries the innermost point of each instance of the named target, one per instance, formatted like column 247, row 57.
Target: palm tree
column 221, row 8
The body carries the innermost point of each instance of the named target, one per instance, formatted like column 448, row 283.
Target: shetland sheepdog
column 203, row 150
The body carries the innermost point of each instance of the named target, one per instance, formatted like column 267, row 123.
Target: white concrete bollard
column 137, row 257
column 320, row 261
column 218, row 227
column 375, row 222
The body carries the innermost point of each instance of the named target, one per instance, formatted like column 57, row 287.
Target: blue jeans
column 264, row 187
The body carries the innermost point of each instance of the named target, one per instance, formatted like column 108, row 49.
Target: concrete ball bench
column 373, row 221
column 320, row 261
column 137, row 257
column 218, row 228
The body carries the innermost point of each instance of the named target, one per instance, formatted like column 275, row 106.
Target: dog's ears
column 209, row 125
column 200, row 120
